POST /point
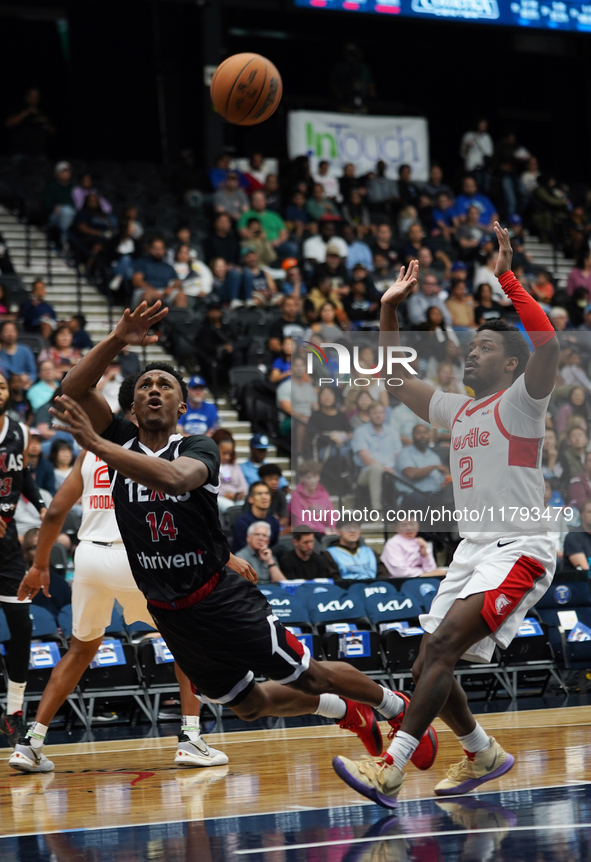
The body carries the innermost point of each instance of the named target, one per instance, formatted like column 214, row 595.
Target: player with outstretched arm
column 217, row 624
column 501, row 568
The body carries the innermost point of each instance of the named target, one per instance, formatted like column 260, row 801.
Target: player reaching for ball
column 501, row 568
column 217, row 624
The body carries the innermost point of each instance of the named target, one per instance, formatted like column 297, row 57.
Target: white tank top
column 98, row 515
column 495, row 461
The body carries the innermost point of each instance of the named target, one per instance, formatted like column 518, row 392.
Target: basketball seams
column 236, row 79
column 263, row 85
column 231, row 90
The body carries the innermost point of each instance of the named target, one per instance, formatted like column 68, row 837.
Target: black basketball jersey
column 14, row 439
column 174, row 544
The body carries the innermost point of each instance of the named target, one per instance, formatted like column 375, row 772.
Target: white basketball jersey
column 98, row 515
column 495, row 460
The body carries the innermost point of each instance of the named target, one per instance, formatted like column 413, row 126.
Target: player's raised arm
column 80, row 382
column 541, row 368
column 414, row 392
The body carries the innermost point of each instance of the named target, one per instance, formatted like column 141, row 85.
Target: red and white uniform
column 102, row 573
column 507, row 553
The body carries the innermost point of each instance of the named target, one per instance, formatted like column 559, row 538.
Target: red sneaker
column 360, row 719
column 426, row 752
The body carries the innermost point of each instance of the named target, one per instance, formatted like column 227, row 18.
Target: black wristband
column 31, row 491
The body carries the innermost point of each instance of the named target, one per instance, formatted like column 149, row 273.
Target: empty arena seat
column 421, row 590
column 394, row 606
column 561, row 608
column 45, row 625
column 4, row 630
column 117, row 627
column 64, row 621
column 289, row 609
column 157, row 670
column 113, row 674
column 329, row 604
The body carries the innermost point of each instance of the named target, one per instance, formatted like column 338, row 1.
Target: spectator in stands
column 435, row 185
column 183, row 237
column 310, row 505
column 296, row 217
column 570, row 366
column 328, row 430
column 217, row 175
column 290, row 324
column 86, row 187
column 258, row 553
column 61, row 351
column 323, row 291
column 154, row 279
column 382, row 193
column 356, row 406
column 259, row 445
column 383, row 243
column 426, row 297
column 81, row 340
column 472, row 197
column 485, row 274
column 272, row 223
column 271, row 475
column 201, row 416
column 550, row 462
column 5, row 305
column 384, row 274
column 272, row 193
column 319, row 205
column 196, row 278
column 58, row 200
column 529, row 177
column 92, row 229
column 376, row 448
column 315, row 248
column 256, row 172
column 228, row 286
column 356, row 213
column 477, row 150
column 350, row 559
column 542, row 287
column 45, row 387
column 422, row 466
column 230, row 198
column 36, row 313
column 408, row 191
column 258, row 242
column 39, row 466
column 575, row 405
column 362, row 303
column 579, row 487
column 120, row 253
column 18, row 405
column 486, row 308
column 30, row 128
column 16, row 358
column 128, row 362
column 580, row 275
column 549, row 209
column 296, row 398
column 327, row 325
column 259, row 498
column 572, row 455
column 130, row 214
column 329, row 182
column 281, row 368
column 460, row 305
column 407, row 555
column 558, row 318
column 359, row 251
column 257, row 283
column 303, row 563
column 577, row 544
column 61, row 457
column 293, row 283
column 222, row 242
column 233, row 487
column 469, row 234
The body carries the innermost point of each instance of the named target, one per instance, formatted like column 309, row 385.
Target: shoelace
column 459, row 770
column 370, row 766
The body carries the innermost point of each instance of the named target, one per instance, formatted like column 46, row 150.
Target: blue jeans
column 237, row 285
column 63, row 219
column 287, row 249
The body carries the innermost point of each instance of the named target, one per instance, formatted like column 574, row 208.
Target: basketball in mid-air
column 246, row 89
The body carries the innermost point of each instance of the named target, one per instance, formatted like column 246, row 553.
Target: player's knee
column 314, row 681
column 252, row 707
column 417, row 668
column 439, row 649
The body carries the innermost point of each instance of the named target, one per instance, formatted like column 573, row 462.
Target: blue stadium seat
column 45, row 624
column 64, row 621
column 392, row 607
column 573, row 596
column 289, row 609
column 4, row 630
column 329, row 604
column 117, row 627
column 421, row 590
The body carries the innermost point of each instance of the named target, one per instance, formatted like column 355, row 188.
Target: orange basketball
column 246, row 89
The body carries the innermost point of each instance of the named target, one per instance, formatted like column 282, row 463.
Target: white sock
column 392, row 705
column 190, row 727
column 36, row 735
column 478, row 740
column 402, row 748
column 331, row 706
column 16, row 694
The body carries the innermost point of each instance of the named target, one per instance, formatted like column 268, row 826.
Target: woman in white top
column 477, row 146
column 196, row 277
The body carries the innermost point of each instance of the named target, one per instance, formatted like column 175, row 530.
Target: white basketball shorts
column 102, row 574
column 513, row 573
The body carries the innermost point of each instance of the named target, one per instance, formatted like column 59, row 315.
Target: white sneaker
column 198, row 753
column 26, row 759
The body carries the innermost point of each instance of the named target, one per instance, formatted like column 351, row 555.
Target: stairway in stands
column 62, row 295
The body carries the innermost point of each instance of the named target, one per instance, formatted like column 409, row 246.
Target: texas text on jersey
column 13, row 445
column 174, row 544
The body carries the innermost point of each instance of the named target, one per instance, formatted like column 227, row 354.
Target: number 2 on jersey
column 165, row 528
column 466, row 466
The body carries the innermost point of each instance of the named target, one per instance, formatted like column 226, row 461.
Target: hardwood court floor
column 122, row 783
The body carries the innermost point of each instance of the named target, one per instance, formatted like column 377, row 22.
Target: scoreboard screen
column 545, row 14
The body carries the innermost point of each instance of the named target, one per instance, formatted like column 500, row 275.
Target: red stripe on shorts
column 500, row 603
column 294, row 643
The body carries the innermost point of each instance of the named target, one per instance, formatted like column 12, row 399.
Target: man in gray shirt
column 424, row 298
column 229, row 198
column 376, row 447
column 421, row 465
column 258, row 553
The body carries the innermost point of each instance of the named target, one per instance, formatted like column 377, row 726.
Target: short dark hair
column 255, row 485
column 79, row 318
column 269, row 470
column 298, row 534
column 126, row 394
column 514, row 342
column 170, row 369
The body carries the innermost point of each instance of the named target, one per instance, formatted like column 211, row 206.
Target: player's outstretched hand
column 505, row 250
column 35, row 580
column 242, row 568
column 404, row 284
column 75, row 420
column 133, row 326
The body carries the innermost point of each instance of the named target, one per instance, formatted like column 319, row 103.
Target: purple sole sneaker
column 369, row 792
column 473, row 783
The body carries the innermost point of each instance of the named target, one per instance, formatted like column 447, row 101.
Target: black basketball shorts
column 230, row 637
column 12, row 562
